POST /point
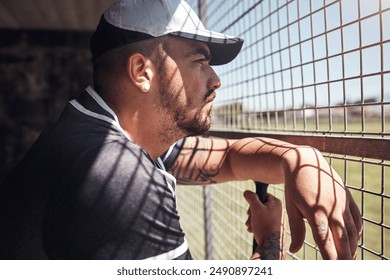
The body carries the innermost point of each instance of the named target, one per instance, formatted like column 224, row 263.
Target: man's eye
column 202, row 60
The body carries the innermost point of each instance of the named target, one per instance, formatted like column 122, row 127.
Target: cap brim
column 223, row 48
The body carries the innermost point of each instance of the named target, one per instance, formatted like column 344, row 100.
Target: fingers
column 323, row 237
column 335, row 235
column 252, row 199
column 262, row 215
column 352, row 234
column 353, row 222
column 248, row 222
column 331, row 236
column 341, row 239
column 297, row 228
column 357, row 219
column 333, row 239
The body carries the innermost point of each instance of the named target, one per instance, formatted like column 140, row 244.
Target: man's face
column 187, row 84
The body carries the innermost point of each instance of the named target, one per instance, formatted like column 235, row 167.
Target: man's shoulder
column 116, row 160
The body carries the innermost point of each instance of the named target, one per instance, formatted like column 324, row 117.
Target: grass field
column 367, row 179
column 370, row 189
column 372, row 127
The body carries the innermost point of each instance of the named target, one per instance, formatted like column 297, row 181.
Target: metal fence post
column 207, row 194
column 202, row 6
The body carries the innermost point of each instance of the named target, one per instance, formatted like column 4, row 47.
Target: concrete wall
column 40, row 71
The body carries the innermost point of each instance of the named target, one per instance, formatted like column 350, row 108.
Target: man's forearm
column 261, row 159
column 206, row 160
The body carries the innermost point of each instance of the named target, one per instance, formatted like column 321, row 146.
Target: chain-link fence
column 311, row 72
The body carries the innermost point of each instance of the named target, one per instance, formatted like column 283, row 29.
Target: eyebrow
column 201, row 51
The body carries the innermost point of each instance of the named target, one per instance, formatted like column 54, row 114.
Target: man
column 97, row 186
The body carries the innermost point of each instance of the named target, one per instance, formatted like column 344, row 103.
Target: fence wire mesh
column 309, row 68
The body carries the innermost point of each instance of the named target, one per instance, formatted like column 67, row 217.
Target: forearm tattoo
column 193, row 164
column 270, row 248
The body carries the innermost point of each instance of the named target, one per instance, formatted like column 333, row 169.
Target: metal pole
column 202, row 6
column 208, row 226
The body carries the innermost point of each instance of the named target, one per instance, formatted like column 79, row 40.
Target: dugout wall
column 311, row 72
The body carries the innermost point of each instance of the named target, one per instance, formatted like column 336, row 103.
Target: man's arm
column 207, row 160
column 313, row 189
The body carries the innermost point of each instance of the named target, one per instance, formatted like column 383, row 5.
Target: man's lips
column 210, row 96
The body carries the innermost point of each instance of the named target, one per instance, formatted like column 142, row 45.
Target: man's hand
column 316, row 192
column 266, row 222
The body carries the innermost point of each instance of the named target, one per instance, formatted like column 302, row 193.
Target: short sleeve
column 170, row 156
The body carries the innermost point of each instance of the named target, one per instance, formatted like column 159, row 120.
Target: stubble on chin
column 180, row 125
column 199, row 125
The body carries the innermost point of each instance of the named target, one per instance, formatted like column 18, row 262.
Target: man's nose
column 214, row 81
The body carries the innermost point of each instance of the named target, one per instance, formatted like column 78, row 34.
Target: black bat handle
column 261, row 191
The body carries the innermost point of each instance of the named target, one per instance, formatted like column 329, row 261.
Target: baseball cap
column 129, row 21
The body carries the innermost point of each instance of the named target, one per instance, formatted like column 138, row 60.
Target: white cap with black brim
column 129, row 21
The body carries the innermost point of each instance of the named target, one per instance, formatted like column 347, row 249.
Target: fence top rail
column 375, row 148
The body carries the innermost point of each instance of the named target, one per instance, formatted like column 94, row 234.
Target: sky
column 298, row 52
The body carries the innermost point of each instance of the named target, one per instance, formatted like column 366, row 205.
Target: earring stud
column 146, row 87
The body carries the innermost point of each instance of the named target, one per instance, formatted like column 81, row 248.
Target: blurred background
column 44, row 62
column 311, row 72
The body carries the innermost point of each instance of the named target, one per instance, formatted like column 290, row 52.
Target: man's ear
column 139, row 71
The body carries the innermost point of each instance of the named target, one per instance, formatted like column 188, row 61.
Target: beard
column 180, row 121
column 197, row 125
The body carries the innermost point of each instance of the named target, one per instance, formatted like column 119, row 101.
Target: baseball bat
column 261, row 191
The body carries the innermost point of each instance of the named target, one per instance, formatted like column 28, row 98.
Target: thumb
column 252, row 199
